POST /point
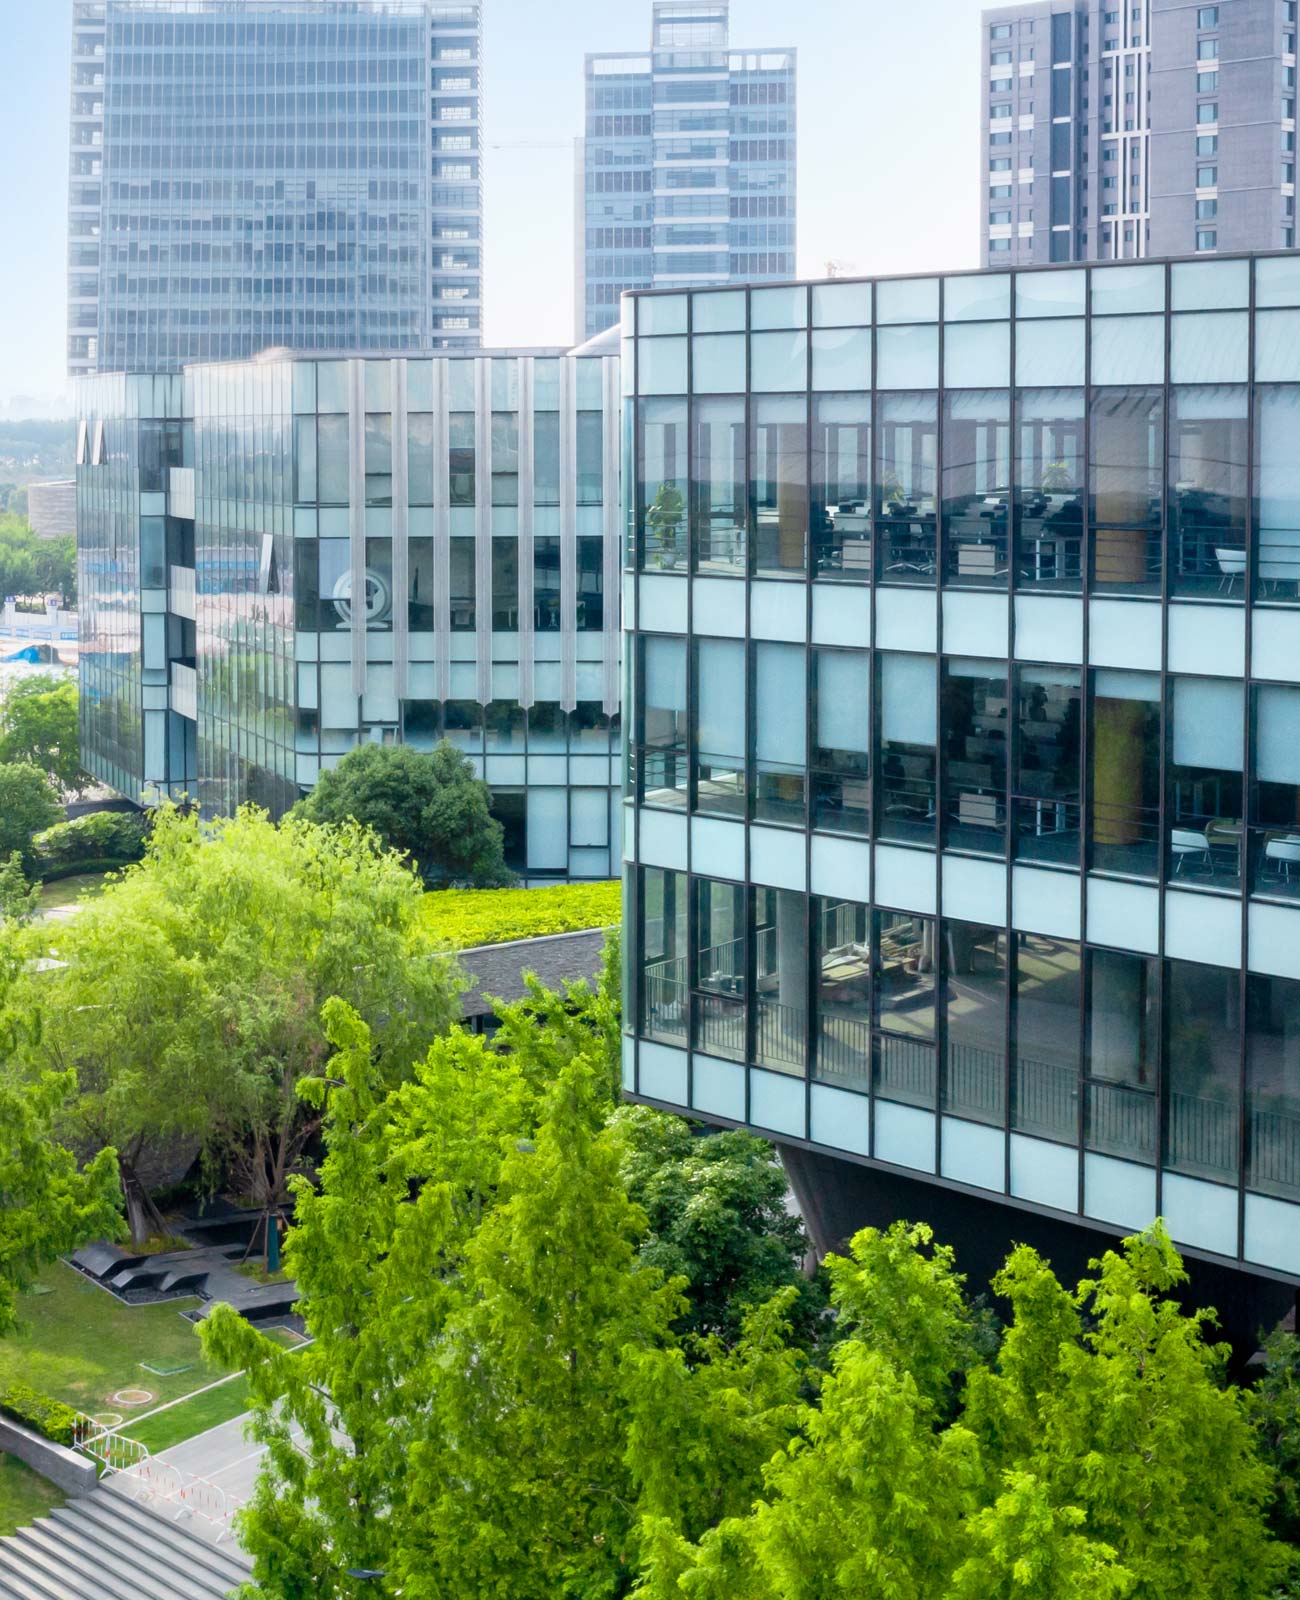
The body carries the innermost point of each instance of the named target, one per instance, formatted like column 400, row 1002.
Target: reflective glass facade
column 964, row 691
column 251, row 174
column 686, row 173
column 472, row 504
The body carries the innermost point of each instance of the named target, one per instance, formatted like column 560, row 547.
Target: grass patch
column 24, row 1495
column 192, row 1417
column 256, row 1270
column 463, row 919
column 80, row 1345
column 71, row 891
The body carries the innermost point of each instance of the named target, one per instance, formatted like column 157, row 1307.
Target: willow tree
column 189, row 1001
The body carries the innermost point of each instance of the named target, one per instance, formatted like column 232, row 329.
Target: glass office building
column 253, row 174
column 962, row 820
column 686, row 173
column 230, row 515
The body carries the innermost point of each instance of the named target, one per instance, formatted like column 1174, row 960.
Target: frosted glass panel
column 1049, row 353
column 841, row 358
column 1207, row 724
column 1277, row 735
column 662, row 313
column 1277, row 281
column 778, row 362
column 782, row 698
column 908, row 300
column 719, row 364
column 1210, row 348
column 977, row 357
column 721, row 672
column 1128, row 289
column 548, row 829
column 1277, row 346
column 1050, row 294
column 907, row 699
column 841, row 305
column 907, row 358
column 719, row 313
column 661, row 366
column 843, row 700
column 970, row 299
column 589, row 818
column 1210, row 285
column 1128, row 351
column 778, row 308
column 665, row 673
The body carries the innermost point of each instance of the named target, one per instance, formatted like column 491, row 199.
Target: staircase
column 108, row 1547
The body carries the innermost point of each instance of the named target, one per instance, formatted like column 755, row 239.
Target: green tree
column 28, row 805
column 469, row 1272
column 718, row 1219
column 48, row 1205
column 1274, row 1407
column 38, row 724
column 190, row 1004
column 19, row 899
column 429, row 806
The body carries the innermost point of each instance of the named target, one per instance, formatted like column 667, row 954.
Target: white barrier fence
column 143, row 1476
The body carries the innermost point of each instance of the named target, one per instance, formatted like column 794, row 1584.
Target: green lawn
column 71, row 891
column 80, row 1345
column 463, row 919
column 191, row 1417
column 24, row 1495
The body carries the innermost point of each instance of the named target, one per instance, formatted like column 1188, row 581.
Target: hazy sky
column 888, row 151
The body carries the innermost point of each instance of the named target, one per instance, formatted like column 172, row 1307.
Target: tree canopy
column 427, row 805
column 190, row 1001
column 38, row 724
column 28, row 805
column 534, row 1376
column 31, row 566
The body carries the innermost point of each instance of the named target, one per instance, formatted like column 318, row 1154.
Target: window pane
column 1046, row 781
column 1202, row 1071
column 906, row 761
column 905, row 487
column 1277, row 489
column 1049, row 489
column 975, row 999
column 719, row 968
column 975, row 755
column 720, row 727
column 1126, row 772
column 1123, row 1046
column 663, row 972
column 1205, row 797
column 1207, row 490
column 1127, row 478
column 1045, row 1076
column 842, row 932
column 780, row 487
column 841, row 487
column 505, row 585
column 1273, row 1086
column 546, row 458
column 780, row 981
column 841, row 740
column 663, row 487
column 420, row 580
column 462, row 585
column 461, row 457
column 780, row 744
column 976, row 485
column 719, row 497
column 904, row 1008
column 663, row 678
column 419, row 458
column 546, row 584
column 591, row 584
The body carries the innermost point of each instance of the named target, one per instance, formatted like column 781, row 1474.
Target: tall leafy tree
column 718, row 1218
column 28, row 805
column 1274, row 1406
column 191, row 997
column 429, row 806
column 38, row 724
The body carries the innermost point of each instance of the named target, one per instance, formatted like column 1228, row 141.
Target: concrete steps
column 108, row 1547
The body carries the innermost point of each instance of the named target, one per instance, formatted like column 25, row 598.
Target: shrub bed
column 94, row 843
column 462, row 919
column 50, row 1418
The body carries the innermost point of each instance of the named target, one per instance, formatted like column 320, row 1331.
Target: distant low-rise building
column 284, row 558
column 52, row 508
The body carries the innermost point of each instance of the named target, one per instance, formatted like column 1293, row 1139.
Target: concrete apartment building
column 1119, row 129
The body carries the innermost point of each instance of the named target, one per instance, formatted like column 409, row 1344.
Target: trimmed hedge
column 50, row 1418
column 463, row 919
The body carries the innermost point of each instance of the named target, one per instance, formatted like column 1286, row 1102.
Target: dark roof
column 498, row 969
